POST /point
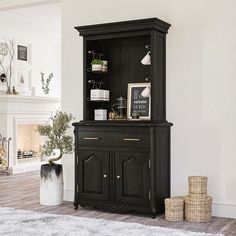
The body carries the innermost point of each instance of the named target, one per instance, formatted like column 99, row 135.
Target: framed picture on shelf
column 23, row 83
column 139, row 101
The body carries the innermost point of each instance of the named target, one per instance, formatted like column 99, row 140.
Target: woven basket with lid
column 197, row 185
column 198, row 209
column 174, row 209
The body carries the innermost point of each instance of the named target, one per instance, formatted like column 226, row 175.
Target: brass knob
column 118, row 177
column 104, row 176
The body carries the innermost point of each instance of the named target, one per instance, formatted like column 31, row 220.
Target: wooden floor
column 22, row 191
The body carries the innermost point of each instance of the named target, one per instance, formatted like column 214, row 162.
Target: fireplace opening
column 29, row 143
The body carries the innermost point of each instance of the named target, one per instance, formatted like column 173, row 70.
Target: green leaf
column 56, row 134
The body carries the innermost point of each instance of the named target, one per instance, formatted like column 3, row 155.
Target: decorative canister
column 104, row 66
column 198, row 209
column 197, row 184
column 174, row 209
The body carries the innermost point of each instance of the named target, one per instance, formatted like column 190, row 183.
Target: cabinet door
column 93, row 175
column 132, row 177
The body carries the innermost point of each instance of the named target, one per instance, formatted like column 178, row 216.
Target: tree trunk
column 51, row 161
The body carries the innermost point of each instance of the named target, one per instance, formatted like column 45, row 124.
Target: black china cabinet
column 123, row 165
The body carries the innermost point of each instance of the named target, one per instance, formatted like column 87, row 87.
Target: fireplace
column 28, row 143
column 19, row 118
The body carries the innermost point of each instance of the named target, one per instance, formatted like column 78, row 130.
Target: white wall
column 201, row 59
column 45, row 49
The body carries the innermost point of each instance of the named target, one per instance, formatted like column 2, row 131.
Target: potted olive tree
column 57, row 144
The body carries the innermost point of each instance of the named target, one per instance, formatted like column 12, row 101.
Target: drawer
column 103, row 137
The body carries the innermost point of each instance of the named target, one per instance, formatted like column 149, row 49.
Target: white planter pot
column 96, row 67
column 51, row 185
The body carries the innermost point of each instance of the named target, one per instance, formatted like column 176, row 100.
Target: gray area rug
column 26, row 223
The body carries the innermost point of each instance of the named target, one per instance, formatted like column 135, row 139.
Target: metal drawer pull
column 118, row 177
column 132, row 139
column 104, row 176
column 90, row 138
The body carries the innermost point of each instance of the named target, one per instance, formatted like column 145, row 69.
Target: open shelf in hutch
column 124, row 50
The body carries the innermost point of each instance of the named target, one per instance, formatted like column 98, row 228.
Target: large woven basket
column 174, row 209
column 197, row 185
column 198, row 209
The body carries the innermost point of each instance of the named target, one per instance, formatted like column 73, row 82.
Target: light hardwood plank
column 22, row 192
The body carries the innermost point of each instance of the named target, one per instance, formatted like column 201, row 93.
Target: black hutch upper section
column 124, row 44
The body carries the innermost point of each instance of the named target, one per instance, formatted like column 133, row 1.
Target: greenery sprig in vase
column 46, row 82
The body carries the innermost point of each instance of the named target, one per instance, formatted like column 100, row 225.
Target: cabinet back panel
column 125, row 66
column 124, row 57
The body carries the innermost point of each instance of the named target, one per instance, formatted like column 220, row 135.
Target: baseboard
column 218, row 209
column 69, row 195
column 18, row 169
column 224, row 210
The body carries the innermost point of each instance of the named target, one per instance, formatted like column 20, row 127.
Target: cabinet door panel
column 132, row 177
column 93, row 174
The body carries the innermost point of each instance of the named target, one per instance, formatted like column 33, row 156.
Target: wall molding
column 224, row 210
column 69, row 195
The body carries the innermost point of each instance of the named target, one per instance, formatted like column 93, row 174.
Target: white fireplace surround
column 15, row 110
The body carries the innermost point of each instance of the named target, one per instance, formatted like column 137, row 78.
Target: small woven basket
column 198, row 209
column 197, row 185
column 174, row 209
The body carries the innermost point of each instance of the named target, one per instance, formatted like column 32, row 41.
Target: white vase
column 51, row 185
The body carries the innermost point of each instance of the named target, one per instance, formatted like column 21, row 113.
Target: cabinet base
column 118, row 207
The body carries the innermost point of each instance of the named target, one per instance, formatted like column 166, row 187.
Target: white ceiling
column 48, row 14
column 42, row 21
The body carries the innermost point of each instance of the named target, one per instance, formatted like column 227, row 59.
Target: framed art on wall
column 23, row 82
column 139, row 101
column 22, row 53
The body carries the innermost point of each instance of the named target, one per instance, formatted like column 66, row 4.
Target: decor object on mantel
column 35, row 223
column 58, row 143
column 3, row 78
column 7, row 51
column 46, row 82
column 4, row 154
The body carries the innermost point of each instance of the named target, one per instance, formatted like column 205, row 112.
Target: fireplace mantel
column 18, row 103
column 22, row 98
column 16, row 110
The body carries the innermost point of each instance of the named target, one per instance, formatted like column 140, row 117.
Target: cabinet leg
column 76, row 206
column 154, row 216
